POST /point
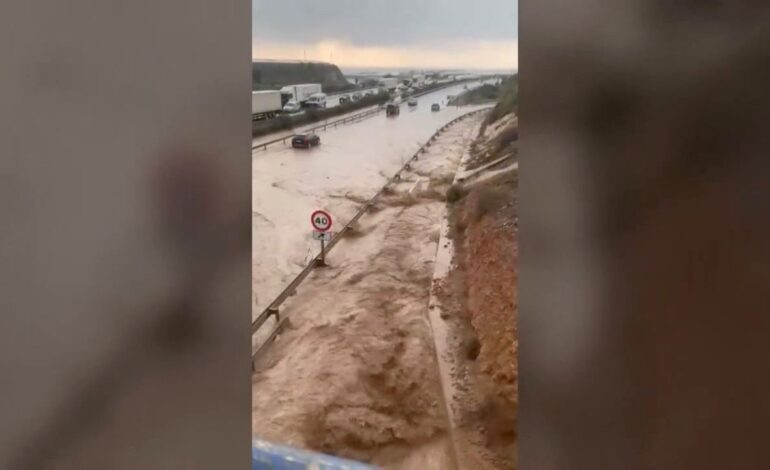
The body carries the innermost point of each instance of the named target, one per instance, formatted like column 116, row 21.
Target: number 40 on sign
column 321, row 222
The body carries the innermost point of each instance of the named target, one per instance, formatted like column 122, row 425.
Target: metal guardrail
column 273, row 307
column 349, row 119
column 345, row 120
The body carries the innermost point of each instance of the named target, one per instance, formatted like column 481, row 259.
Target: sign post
column 321, row 222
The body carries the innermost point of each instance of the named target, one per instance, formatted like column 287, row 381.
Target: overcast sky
column 389, row 33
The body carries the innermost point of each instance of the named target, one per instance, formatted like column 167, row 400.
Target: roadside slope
column 478, row 296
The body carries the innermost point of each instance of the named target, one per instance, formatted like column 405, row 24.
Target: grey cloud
column 383, row 22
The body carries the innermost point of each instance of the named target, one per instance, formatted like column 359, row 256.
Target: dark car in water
column 435, row 107
column 304, row 141
column 392, row 109
column 344, row 99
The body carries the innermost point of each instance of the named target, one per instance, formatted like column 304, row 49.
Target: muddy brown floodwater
column 355, row 374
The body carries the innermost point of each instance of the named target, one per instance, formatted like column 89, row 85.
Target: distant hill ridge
column 272, row 75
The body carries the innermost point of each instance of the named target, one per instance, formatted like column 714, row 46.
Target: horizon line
column 453, row 67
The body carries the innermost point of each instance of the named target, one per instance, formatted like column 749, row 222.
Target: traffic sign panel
column 321, row 220
column 325, row 236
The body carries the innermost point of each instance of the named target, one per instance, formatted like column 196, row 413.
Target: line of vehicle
column 351, row 91
column 289, row 290
column 346, row 120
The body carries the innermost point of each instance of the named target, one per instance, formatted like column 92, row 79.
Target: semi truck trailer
column 299, row 93
column 265, row 104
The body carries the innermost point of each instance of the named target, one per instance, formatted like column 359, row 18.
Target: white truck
column 265, row 104
column 299, row 93
column 390, row 84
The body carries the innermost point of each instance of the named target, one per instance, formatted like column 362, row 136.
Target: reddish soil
column 479, row 298
column 491, row 257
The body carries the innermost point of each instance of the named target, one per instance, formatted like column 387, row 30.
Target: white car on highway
column 317, row 100
column 291, row 106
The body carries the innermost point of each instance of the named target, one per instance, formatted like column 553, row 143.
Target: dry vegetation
column 497, row 140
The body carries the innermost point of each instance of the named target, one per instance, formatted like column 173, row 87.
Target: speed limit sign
column 321, row 220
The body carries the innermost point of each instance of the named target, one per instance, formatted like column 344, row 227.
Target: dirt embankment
column 479, row 301
column 489, row 256
column 496, row 141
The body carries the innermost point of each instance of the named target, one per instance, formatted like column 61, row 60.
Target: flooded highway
column 350, row 165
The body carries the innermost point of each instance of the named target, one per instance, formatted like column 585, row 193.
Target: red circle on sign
column 317, row 219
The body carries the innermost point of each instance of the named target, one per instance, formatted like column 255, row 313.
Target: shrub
column 455, row 193
column 486, row 201
column 508, row 136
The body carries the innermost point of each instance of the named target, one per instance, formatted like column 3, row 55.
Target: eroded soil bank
column 478, row 299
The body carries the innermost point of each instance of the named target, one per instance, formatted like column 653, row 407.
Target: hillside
column 508, row 101
column 269, row 75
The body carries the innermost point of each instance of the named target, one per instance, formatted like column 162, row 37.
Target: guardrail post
column 274, row 312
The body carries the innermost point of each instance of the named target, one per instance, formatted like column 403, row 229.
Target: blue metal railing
column 269, row 456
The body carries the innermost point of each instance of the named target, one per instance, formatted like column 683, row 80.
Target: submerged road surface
column 350, row 165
